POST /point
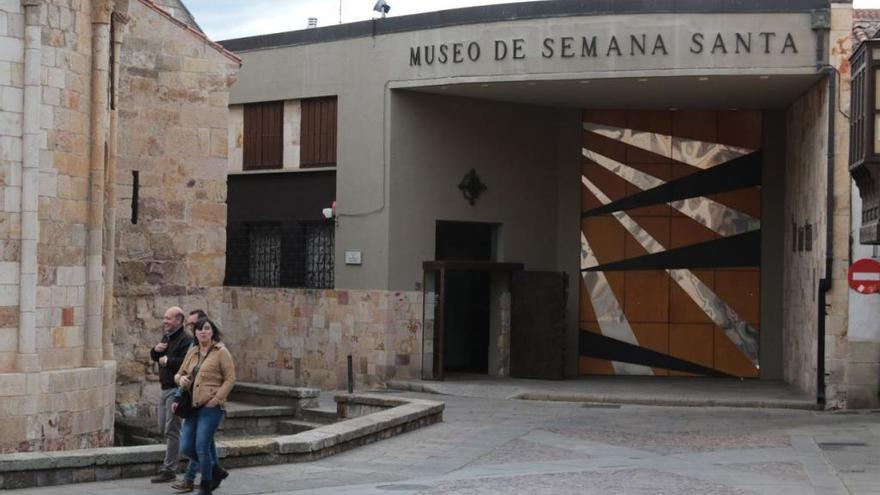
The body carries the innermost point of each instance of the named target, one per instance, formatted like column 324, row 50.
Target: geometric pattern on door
column 670, row 243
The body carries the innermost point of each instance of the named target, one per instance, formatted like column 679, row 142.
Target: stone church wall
column 173, row 123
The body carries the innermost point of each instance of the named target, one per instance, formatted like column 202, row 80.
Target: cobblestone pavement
column 498, row 446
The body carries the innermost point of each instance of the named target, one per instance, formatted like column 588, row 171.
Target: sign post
column 864, row 276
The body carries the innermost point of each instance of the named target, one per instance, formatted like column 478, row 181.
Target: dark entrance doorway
column 466, row 312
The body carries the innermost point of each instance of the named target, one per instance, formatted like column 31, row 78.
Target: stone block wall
column 11, row 102
column 805, row 172
column 64, row 184
column 807, row 178
column 302, row 337
column 173, row 119
column 54, row 402
column 843, row 361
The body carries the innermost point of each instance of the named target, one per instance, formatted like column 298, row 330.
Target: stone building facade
column 173, row 90
column 69, row 116
column 423, row 99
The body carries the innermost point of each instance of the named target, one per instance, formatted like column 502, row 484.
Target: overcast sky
column 224, row 19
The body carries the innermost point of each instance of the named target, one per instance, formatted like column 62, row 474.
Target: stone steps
column 243, row 419
column 322, row 415
column 294, row 426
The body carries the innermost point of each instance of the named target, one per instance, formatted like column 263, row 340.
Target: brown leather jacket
column 215, row 378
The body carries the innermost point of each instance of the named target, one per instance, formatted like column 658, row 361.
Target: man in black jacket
column 169, row 353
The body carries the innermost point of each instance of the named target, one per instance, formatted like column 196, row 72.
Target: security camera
column 382, row 7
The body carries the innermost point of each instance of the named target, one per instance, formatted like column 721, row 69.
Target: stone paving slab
column 498, row 446
column 650, row 391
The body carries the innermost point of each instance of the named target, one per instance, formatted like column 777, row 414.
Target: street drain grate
column 402, row 487
column 602, row 406
column 840, row 445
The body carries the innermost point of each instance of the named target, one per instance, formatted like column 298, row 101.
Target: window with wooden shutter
column 318, row 132
column 263, row 126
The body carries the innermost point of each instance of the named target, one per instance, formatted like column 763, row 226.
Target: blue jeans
column 197, row 439
column 192, row 467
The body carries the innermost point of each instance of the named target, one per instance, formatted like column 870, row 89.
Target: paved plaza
column 508, row 446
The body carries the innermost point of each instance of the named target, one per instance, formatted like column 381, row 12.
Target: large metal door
column 537, row 334
column 670, row 243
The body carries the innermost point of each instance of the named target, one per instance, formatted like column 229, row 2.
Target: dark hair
column 216, row 335
column 198, row 312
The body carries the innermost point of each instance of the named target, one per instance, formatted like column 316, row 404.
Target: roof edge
column 198, row 34
column 514, row 12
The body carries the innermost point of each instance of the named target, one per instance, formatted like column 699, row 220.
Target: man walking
column 169, row 353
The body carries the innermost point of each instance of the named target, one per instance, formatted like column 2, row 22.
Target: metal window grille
column 280, row 254
column 319, row 255
column 264, row 256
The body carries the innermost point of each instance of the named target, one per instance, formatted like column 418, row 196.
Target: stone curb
column 335, row 434
column 679, row 402
column 276, row 390
column 263, row 411
column 413, row 387
column 29, row 469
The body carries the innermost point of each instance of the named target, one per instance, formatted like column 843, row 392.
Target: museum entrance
column 466, row 308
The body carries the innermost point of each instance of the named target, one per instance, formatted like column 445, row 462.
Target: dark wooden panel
column 537, row 337
column 280, row 196
column 263, row 126
column 318, row 132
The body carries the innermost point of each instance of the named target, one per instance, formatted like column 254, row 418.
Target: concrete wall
column 302, row 337
column 862, row 349
column 437, row 141
column 173, row 127
column 529, row 158
column 863, row 375
column 773, row 247
column 362, row 73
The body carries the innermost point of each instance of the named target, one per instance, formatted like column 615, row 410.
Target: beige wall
column 302, row 337
column 173, row 129
column 363, row 73
column 437, row 141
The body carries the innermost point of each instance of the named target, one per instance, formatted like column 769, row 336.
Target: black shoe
column 218, row 474
column 205, row 488
column 163, row 477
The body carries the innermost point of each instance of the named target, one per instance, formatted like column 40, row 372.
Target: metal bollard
column 350, row 376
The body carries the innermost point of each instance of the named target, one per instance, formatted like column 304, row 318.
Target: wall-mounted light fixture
column 471, row 186
column 864, row 135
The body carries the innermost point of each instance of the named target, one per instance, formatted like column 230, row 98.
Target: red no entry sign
column 864, row 276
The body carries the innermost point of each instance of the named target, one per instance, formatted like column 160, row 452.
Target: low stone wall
column 57, row 410
column 302, row 337
column 26, row 470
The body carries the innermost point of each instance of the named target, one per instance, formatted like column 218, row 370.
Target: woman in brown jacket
column 209, row 373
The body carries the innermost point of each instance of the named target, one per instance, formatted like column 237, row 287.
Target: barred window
column 264, row 248
column 280, row 254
